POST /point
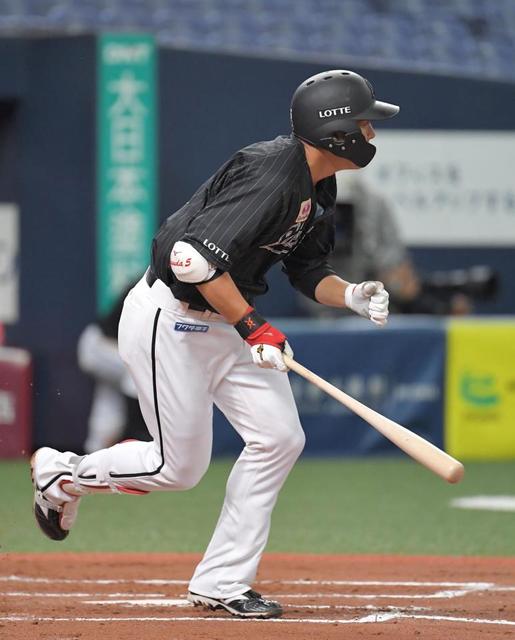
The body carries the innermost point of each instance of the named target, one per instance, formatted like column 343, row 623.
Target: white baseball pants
column 182, row 362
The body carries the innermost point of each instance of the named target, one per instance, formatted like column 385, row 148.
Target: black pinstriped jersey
column 258, row 209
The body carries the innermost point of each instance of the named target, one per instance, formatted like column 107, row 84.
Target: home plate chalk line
column 158, row 581
column 374, row 618
column 375, row 614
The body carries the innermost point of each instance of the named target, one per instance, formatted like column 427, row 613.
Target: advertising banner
column 447, row 187
column 15, row 402
column 480, row 394
column 126, row 161
column 398, row 371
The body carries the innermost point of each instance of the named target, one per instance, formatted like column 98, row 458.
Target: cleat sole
column 211, row 604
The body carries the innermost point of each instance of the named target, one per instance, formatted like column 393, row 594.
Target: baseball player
column 191, row 336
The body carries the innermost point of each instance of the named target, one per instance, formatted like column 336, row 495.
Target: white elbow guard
column 188, row 265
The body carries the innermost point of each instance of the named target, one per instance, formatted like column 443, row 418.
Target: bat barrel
column 436, row 460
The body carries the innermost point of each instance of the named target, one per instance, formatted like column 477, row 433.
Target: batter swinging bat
column 419, row 449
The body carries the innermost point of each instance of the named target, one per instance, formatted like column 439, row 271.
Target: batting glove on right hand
column 267, row 344
column 368, row 299
column 270, row 357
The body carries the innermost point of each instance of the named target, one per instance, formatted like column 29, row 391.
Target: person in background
column 114, row 412
column 369, row 246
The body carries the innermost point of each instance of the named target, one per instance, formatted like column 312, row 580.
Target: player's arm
column 218, row 288
column 309, row 272
column 330, row 291
column 224, row 296
column 368, row 299
column 267, row 343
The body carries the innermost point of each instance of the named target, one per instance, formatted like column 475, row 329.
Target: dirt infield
column 142, row 596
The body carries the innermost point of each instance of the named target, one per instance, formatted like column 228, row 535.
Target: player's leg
column 174, row 374
column 260, row 405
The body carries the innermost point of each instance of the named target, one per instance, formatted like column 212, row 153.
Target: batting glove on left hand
column 368, row 299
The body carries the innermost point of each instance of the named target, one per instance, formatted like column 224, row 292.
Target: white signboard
column 8, row 263
column 448, row 187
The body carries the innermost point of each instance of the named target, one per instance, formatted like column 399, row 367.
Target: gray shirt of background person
column 367, row 246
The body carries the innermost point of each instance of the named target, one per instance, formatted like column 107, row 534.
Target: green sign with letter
column 126, row 163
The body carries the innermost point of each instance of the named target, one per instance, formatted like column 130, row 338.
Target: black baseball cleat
column 247, row 605
column 48, row 518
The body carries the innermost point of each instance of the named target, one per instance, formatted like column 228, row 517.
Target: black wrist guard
column 250, row 322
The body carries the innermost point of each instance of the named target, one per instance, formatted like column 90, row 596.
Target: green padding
column 126, row 165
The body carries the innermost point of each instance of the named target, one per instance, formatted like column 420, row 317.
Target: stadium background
column 224, row 72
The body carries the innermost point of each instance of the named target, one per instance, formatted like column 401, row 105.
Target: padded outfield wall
column 209, row 106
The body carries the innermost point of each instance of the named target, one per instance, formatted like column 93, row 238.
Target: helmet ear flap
column 352, row 146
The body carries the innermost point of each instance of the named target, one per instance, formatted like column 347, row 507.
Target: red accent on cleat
column 135, row 492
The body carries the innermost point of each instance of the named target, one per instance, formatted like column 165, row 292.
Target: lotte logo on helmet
column 338, row 111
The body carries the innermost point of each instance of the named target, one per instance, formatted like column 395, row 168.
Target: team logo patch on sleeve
column 304, row 211
column 191, row 328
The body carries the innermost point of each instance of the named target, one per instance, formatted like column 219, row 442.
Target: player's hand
column 368, row 299
column 267, row 344
column 270, row 357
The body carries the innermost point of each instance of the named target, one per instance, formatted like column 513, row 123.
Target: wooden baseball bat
column 419, row 449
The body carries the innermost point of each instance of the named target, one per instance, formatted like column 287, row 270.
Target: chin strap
column 353, row 147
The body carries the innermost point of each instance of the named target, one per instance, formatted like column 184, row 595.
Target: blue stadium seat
column 454, row 36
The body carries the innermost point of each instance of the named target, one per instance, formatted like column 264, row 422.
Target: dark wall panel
column 57, row 122
column 9, row 156
column 13, row 67
column 57, row 204
column 211, row 105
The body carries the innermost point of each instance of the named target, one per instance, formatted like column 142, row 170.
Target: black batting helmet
column 326, row 108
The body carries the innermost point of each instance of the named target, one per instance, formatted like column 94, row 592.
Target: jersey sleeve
column 238, row 210
column 308, row 264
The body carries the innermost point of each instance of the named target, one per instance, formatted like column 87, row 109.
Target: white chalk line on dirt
column 351, row 583
column 69, row 594
column 172, row 602
column 371, row 618
column 381, row 583
column 161, row 600
column 455, row 619
column 445, row 595
column 161, row 597
column 150, row 602
column 29, row 579
column 375, row 617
